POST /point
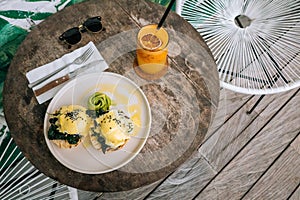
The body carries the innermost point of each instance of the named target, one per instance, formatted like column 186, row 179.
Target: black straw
column 165, row 14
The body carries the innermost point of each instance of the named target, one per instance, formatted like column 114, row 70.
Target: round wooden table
column 183, row 102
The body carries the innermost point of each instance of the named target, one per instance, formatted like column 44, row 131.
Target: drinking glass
column 152, row 51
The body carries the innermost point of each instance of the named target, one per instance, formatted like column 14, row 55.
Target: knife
column 62, row 79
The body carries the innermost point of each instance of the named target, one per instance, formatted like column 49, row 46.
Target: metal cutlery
column 78, row 61
column 62, row 79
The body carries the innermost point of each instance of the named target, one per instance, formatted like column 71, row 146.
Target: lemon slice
column 150, row 42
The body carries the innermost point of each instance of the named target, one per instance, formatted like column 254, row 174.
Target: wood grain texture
column 280, row 180
column 189, row 177
column 253, row 160
column 296, row 144
column 229, row 104
column 296, row 194
column 136, row 194
column 238, row 130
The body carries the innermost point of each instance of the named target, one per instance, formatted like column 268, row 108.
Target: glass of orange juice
column 152, row 51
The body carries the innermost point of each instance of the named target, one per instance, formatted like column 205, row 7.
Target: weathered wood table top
column 183, row 102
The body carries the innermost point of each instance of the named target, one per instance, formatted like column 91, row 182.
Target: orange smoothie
column 152, row 49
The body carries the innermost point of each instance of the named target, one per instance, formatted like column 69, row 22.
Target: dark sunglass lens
column 93, row 24
column 71, row 36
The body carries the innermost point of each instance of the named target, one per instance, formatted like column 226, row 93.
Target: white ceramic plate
column 128, row 97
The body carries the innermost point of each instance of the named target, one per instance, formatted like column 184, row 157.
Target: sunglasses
column 73, row 35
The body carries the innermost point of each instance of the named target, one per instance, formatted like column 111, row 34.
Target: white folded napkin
column 96, row 62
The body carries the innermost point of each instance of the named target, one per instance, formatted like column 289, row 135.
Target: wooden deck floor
column 244, row 156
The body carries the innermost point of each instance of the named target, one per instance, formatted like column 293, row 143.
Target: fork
column 78, row 61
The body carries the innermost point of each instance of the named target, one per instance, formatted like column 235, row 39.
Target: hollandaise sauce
column 122, row 99
column 69, row 123
column 111, row 130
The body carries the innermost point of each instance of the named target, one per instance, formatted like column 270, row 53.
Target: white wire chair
column 255, row 43
column 21, row 180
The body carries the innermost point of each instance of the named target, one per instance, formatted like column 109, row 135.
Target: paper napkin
column 96, row 62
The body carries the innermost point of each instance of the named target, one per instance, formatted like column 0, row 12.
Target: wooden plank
column 172, row 187
column 239, row 129
column 230, row 102
column 189, row 177
column 248, row 166
column 281, row 179
column 136, row 194
column 296, row 195
column 296, row 145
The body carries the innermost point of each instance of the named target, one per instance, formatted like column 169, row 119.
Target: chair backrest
column 255, row 44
